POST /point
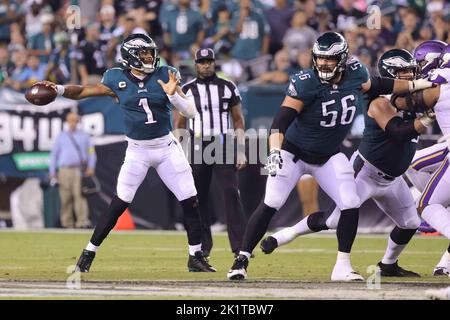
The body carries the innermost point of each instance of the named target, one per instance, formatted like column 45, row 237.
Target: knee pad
column 349, row 197
column 125, row 192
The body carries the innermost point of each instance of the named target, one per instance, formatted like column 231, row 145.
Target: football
column 40, row 94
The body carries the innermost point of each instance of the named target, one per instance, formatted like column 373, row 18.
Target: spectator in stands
column 388, row 34
column 18, row 41
column 108, row 25
column 184, row 30
column 251, row 32
column 6, row 66
column 346, row 16
column 41, row 44
column 33, row 23
column 279, row 18
column 61, row 63
column 90, row 57
column 221, row 39
column 410, row 22
column 368, row 59
column 280, row 74
column 300, row 37
column 8, row 15
column 33, row 72
column 325, row 22
column 405, row 41
column 441, row 29
column 72, row 156
column 371, row 42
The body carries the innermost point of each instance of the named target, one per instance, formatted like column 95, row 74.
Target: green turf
column 163, row 256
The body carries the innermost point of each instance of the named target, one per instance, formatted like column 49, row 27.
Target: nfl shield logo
column 204, row 52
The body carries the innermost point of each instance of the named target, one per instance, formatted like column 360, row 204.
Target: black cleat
column 441, row 271
column 85, row 261
column 198, row 263
column 394, row 270
column 269, row 244
column 239, row 269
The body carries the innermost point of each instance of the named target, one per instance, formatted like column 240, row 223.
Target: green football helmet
column 132, row 49
column 330, row 45
column 395, row 60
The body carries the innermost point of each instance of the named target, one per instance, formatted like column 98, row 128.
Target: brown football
column 40, row 94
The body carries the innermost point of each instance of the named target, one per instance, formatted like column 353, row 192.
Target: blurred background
column 258, row 45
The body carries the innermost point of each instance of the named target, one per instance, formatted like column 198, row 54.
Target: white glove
column 427, row 119
column 274, row 161
column 420, row 84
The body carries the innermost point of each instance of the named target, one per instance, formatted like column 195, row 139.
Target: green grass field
column 142, row 257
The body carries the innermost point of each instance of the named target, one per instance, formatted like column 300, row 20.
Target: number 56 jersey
column 328, row 111
column 146, row 109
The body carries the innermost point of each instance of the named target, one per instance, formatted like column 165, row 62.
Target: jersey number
column 143, row 102
column 348, row 112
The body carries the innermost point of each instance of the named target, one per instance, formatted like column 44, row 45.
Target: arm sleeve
column 401, row 130
column 380, row 86
column 283, row 119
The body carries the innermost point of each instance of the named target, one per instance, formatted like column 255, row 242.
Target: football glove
column 274, row 162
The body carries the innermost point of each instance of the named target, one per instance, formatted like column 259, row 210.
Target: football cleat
column 269, row 244
column 198, row 263
column 394, row 270
column 346, row 274
column 239, row 269
column 441, row 271
column 85, row 261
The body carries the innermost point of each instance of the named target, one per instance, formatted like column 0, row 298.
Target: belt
column 379, row 173
column 386, row 176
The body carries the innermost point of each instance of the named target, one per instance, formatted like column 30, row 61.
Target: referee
column 216, row 99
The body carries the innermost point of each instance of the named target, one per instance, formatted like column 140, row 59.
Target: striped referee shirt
column 213, row 99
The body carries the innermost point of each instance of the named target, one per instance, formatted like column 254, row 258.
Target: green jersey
column 328, row 112
column 146, row 107
column 386, row 154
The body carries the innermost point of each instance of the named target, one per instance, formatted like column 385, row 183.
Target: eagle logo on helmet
column 132, row 49
column 396, row 60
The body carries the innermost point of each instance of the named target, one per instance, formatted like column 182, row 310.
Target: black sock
column 346, row 229
column 316, row 221
column 191, row 220
column 402, row 236
column 108, row 220
column 448, row 249
column 257, row 227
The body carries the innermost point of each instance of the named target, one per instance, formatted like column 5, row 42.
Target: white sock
column 193, row 249
column 343, row 259
column 393, row 251
column 245, row 253
column 437, row 217
column 286, row 235
column 91, row 247
column 445, row 260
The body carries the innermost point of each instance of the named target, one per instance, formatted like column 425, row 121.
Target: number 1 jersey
column 146, row 108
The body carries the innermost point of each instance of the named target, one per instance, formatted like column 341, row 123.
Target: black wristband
column 401, row 130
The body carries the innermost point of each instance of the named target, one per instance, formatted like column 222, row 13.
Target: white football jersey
column 442, row 108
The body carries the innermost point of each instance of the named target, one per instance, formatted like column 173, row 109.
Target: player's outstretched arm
column 77, row 92
column 290, row 107
column 377, row 86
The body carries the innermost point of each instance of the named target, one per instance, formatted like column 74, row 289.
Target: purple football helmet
column 445, row 57
column 428, row 55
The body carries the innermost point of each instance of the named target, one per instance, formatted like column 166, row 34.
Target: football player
column 146, row 93
column 435, row 197
column 384, row 154
column 314, row 118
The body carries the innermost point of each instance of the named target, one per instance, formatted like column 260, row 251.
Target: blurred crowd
column 257, row 41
